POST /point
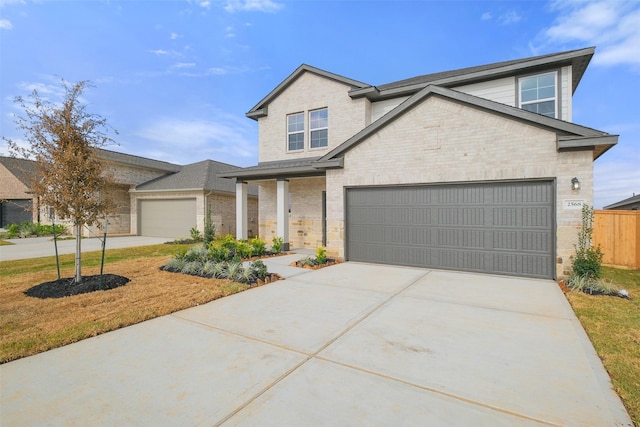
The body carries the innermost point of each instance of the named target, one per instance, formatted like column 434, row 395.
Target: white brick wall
column 310, row 92
column 442, row 141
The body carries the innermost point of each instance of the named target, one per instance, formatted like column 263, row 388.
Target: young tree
column 63, row 140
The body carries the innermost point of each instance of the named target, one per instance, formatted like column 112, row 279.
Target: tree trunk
column 78, row 278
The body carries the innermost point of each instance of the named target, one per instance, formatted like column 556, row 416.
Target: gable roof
column 570, row 136
column 196, row 176
column 22, row 169
column 260, row 109
column 631, row 200
column 579, row 60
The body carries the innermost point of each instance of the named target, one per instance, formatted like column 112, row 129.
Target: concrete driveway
column 353, row 344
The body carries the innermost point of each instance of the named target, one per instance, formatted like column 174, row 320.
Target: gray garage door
column 167, row 218
column 15, row 211
column 502, row 228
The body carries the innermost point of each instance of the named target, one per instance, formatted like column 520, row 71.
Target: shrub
column 209, row 229
column 28, row 229
column 193, row 268
column 258, row 246
column 195, row 234
column 308, row 261
column 234, row 270
column 246, row 276
column 13, row 231
column 244, row 249
column 258, row 269
column 217, row 252
column 198, row 253
column 587, row 260
column 219, row 270
column 174, row 265
column 277, row 244
column 208, row 269
column 321, row 255
column 592, row 286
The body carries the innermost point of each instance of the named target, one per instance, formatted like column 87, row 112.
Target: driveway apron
column 352, row 344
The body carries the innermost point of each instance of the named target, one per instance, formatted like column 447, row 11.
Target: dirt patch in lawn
column 31, row 325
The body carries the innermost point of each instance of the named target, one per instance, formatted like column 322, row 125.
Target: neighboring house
column 469, row 169
column 16, row 202
column 630, row 204
column 156, row 198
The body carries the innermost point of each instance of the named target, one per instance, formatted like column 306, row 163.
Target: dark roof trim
column 492, row 106
column 260, row 109
column 630, row 200
column 579, row 59
column 599, row 144
column 284, row 169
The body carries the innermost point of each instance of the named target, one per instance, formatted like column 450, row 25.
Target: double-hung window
column 539, row 94
column 295, row 132
column 318, row 128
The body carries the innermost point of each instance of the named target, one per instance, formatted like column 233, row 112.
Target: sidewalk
column 36, row 247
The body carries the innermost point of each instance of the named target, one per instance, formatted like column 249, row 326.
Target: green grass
column 613, row 325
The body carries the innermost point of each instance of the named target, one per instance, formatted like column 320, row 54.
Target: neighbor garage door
column 167, row 218
column 502, row 228
column 15, row 211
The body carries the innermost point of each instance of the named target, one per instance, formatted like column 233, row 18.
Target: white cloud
column 174, row 36
column 184, row 65
column 5, row 24
column 185, row 141
column 612, row 25
column 4, row 3
column 486, row 16
column 205, row 4
column 159, row 52
column 252, row 6
column 510, row 17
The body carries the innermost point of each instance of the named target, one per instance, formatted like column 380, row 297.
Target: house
column 479, row 169
column 16, row 202
column 156, row 198
column 630, row 204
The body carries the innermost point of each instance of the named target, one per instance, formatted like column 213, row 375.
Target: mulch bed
column 329, row 263
column 67, row 287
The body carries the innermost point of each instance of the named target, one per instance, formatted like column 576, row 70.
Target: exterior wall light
column 575, row 184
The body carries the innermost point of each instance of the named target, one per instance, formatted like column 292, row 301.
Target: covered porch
column 292, row 201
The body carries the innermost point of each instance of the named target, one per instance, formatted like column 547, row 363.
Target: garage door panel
column 504, row 228
column 167, row 217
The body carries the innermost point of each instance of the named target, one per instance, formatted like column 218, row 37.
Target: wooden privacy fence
column 618, row 234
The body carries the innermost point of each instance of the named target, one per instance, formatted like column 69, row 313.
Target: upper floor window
column 538, row 94
column 295, row 132
column 319, row 128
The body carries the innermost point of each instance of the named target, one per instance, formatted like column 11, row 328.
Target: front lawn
column 613, row 325
column 31, row 325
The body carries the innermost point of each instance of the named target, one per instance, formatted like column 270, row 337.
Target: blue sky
column 175, row 78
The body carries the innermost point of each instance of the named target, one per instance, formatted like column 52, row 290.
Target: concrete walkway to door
column 352, row 344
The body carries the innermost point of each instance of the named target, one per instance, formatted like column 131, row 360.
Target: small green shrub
column 258, row 246
column 308, row 261
column 592, row 286
column 198, row 253
column 277, row 244
column 174, row 265
column 195, row 234
column 193, row 268
column 246, row 276
column 321, row 255
column 219, row 270
column 258, row 269
column 217, row 252
column 234, row 270
column 209, row 229
column 588, row 260
column 13, row 231
column 244, row 249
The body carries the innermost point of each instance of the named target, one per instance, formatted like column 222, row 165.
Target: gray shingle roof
column 633, row 199
column 277, row 169
column 132, row 160
column 22, row 169
column 197, row 176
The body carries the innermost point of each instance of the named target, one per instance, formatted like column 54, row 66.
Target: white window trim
column 324, row 147
column 297, row 150
column 556, row 98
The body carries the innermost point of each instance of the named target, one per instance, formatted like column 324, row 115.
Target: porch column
column 282, row 211
column 241, row 211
